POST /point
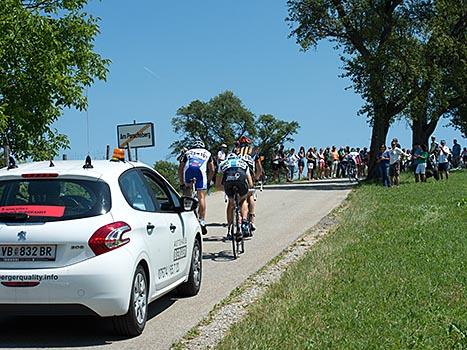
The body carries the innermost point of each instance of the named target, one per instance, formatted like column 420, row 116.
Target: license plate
column 27, row 252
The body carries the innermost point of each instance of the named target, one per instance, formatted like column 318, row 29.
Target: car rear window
column 54, row 199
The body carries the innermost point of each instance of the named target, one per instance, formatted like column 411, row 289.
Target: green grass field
column 393, row 275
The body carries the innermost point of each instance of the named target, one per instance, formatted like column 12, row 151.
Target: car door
column 156, row 228
column 169, row 207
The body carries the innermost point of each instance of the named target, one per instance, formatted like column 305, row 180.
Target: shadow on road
column 318, row 186
column 66, row 331
column 217, row 224
column 222, row 256
column 214, row 239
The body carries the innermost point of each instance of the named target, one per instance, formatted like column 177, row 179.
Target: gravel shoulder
column 210, row 331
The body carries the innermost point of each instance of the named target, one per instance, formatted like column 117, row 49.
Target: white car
column 104, row 239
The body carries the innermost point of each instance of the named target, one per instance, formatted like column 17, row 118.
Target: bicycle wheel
column 240, row 238
column 234, row 242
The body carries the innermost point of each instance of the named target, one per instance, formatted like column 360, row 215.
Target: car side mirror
column 189, row 203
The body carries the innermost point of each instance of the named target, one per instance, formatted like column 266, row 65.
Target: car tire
column 192, row 286
column 133, row 322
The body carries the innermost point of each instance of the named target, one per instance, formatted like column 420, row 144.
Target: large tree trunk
column 422, row 128
column 379, row 133
column 423, row 124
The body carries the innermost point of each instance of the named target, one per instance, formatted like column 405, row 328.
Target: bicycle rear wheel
column 237, row 234
column 232, row 233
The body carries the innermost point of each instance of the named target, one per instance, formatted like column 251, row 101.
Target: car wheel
column 191, row 287
column 132, row 323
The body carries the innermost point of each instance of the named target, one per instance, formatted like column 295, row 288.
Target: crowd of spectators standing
column 424, row 161
column 315, row 163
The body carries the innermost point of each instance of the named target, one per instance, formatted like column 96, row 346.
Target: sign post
column 136, row 135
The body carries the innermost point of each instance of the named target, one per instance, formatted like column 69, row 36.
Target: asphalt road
column 283, row 214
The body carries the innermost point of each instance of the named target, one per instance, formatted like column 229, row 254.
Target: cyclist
column 243, row 146
column 252, row 158
column 352, row 160
column 234, row 176
column 197, row 165
column 251, row 197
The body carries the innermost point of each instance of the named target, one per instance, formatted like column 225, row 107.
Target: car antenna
column 11, row 163
column 87, row 163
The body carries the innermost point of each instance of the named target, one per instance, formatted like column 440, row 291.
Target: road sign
column 136, row 135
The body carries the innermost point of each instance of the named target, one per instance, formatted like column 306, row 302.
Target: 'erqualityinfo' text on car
column 103, row 238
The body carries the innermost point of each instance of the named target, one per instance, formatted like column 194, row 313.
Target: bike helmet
column 244, row 139
column 198, row 144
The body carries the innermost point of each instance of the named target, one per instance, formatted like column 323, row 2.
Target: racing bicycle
column 351, row 171
column 235, row 230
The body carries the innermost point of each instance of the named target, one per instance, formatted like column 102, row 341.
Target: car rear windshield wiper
column 13, row 217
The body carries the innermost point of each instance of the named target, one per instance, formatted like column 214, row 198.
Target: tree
column 459, row 119
column 272, row 132
column 444, row 55
column 169, row 171
column 377, row 44
column 46, row 62
column 223, row 119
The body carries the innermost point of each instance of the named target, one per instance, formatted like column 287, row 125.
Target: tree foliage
column 382, row 45
column 223, row 119
column 220, row 120
column 443, row 45
column 272, row 132
column 46, row 61
column 168, row 170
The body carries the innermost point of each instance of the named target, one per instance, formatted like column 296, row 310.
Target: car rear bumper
column 101, row 284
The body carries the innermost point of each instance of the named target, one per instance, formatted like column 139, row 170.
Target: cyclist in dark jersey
column 234, row 177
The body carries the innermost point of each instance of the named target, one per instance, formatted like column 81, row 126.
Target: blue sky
column 167, row 53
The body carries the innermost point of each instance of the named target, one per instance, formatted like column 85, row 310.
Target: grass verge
column 393, row 275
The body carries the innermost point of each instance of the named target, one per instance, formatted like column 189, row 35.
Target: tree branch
column 352, row 34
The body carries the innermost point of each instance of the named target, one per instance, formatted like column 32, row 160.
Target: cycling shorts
column 235, row 181
column 193, row 172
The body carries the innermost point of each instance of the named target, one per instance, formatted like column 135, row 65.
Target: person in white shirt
column 292, row 159
column 434, row 145
column 443, row 160
column 395, row 154
column 221, row 154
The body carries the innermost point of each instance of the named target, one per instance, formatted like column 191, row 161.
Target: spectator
column 221, row 154
column 420, row 157
column 443, row 160
column 456, row 154
column 320, row 163
column 328, row 162
column 292, row 159
column 433, row 145
column 275, row 166
column 395, row 154
column 310, row 159
column 301, row 161
column 341, row 169
column 382, row 158
column 335, row 161
column 464, row 157
column 362, row 169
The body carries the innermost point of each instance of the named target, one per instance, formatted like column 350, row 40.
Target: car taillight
column 109, row 237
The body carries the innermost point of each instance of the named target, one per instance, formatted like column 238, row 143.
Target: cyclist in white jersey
column 197, row 165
